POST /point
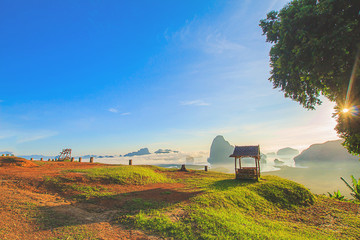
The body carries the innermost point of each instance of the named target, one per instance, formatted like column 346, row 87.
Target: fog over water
column 320, row 178
column 158, row 159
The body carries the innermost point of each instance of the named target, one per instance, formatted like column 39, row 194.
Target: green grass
column 78, row 191
column 89, row 192
column 220, row 207
column 75, row 233
column 139, row 204
column 283, row 193
column 135, row 175
column 62, row 225
column 232, row 209
column 123, row 175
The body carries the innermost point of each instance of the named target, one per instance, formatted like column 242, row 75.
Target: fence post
column 31, row 159
column 41, row 159
column 130, row 162
column 91, row 159
column 72, row 159
column 206, row 168
column 80, row 158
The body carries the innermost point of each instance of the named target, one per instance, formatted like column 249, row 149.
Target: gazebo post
column 259, row 161
column 235, row 164
column 256, row 166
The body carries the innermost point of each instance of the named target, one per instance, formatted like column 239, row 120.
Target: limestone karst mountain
column 220, row 151
column 331, row 151
column 142, row 151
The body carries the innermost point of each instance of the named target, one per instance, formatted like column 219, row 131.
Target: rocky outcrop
column 278, row 162
column 287, row 152
column 331, row 151
column 220, row 151
column 143, row 151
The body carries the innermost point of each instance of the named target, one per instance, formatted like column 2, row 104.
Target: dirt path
column 28, row 210
column 23, row 203
column 19, row 207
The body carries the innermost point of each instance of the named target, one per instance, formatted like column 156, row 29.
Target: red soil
column 21, row 183
column 15, row 161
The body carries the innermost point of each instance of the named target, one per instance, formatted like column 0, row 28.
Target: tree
column 315, row 47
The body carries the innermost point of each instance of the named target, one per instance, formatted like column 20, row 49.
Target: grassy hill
column 93, row 201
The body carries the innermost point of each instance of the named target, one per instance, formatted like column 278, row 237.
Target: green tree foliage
column 315, row 44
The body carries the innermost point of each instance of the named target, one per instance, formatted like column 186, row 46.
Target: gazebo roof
column 246, row 151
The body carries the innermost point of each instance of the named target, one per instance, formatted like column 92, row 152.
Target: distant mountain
column 143, row 151
column 165, row 151
column 89, row 156
column 287, row 151
column 6, row 152
column 331, row 151
column 106, row 156
column 220, row 151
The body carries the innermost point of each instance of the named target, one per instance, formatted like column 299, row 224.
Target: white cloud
column 195, row 103
column 113, row 110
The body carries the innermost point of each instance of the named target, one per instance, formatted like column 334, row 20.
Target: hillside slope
column 96, row 201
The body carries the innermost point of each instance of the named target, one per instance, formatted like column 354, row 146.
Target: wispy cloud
column 113, row 110
column 195, row 103
column 216, row 43
column 6, row 134
column 29, row 137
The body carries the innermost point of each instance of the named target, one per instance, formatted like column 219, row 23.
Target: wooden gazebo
column 247, row 152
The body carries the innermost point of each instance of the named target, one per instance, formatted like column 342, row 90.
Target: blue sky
column 109, row 77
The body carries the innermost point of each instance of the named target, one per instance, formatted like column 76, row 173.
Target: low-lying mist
column 320, row 178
